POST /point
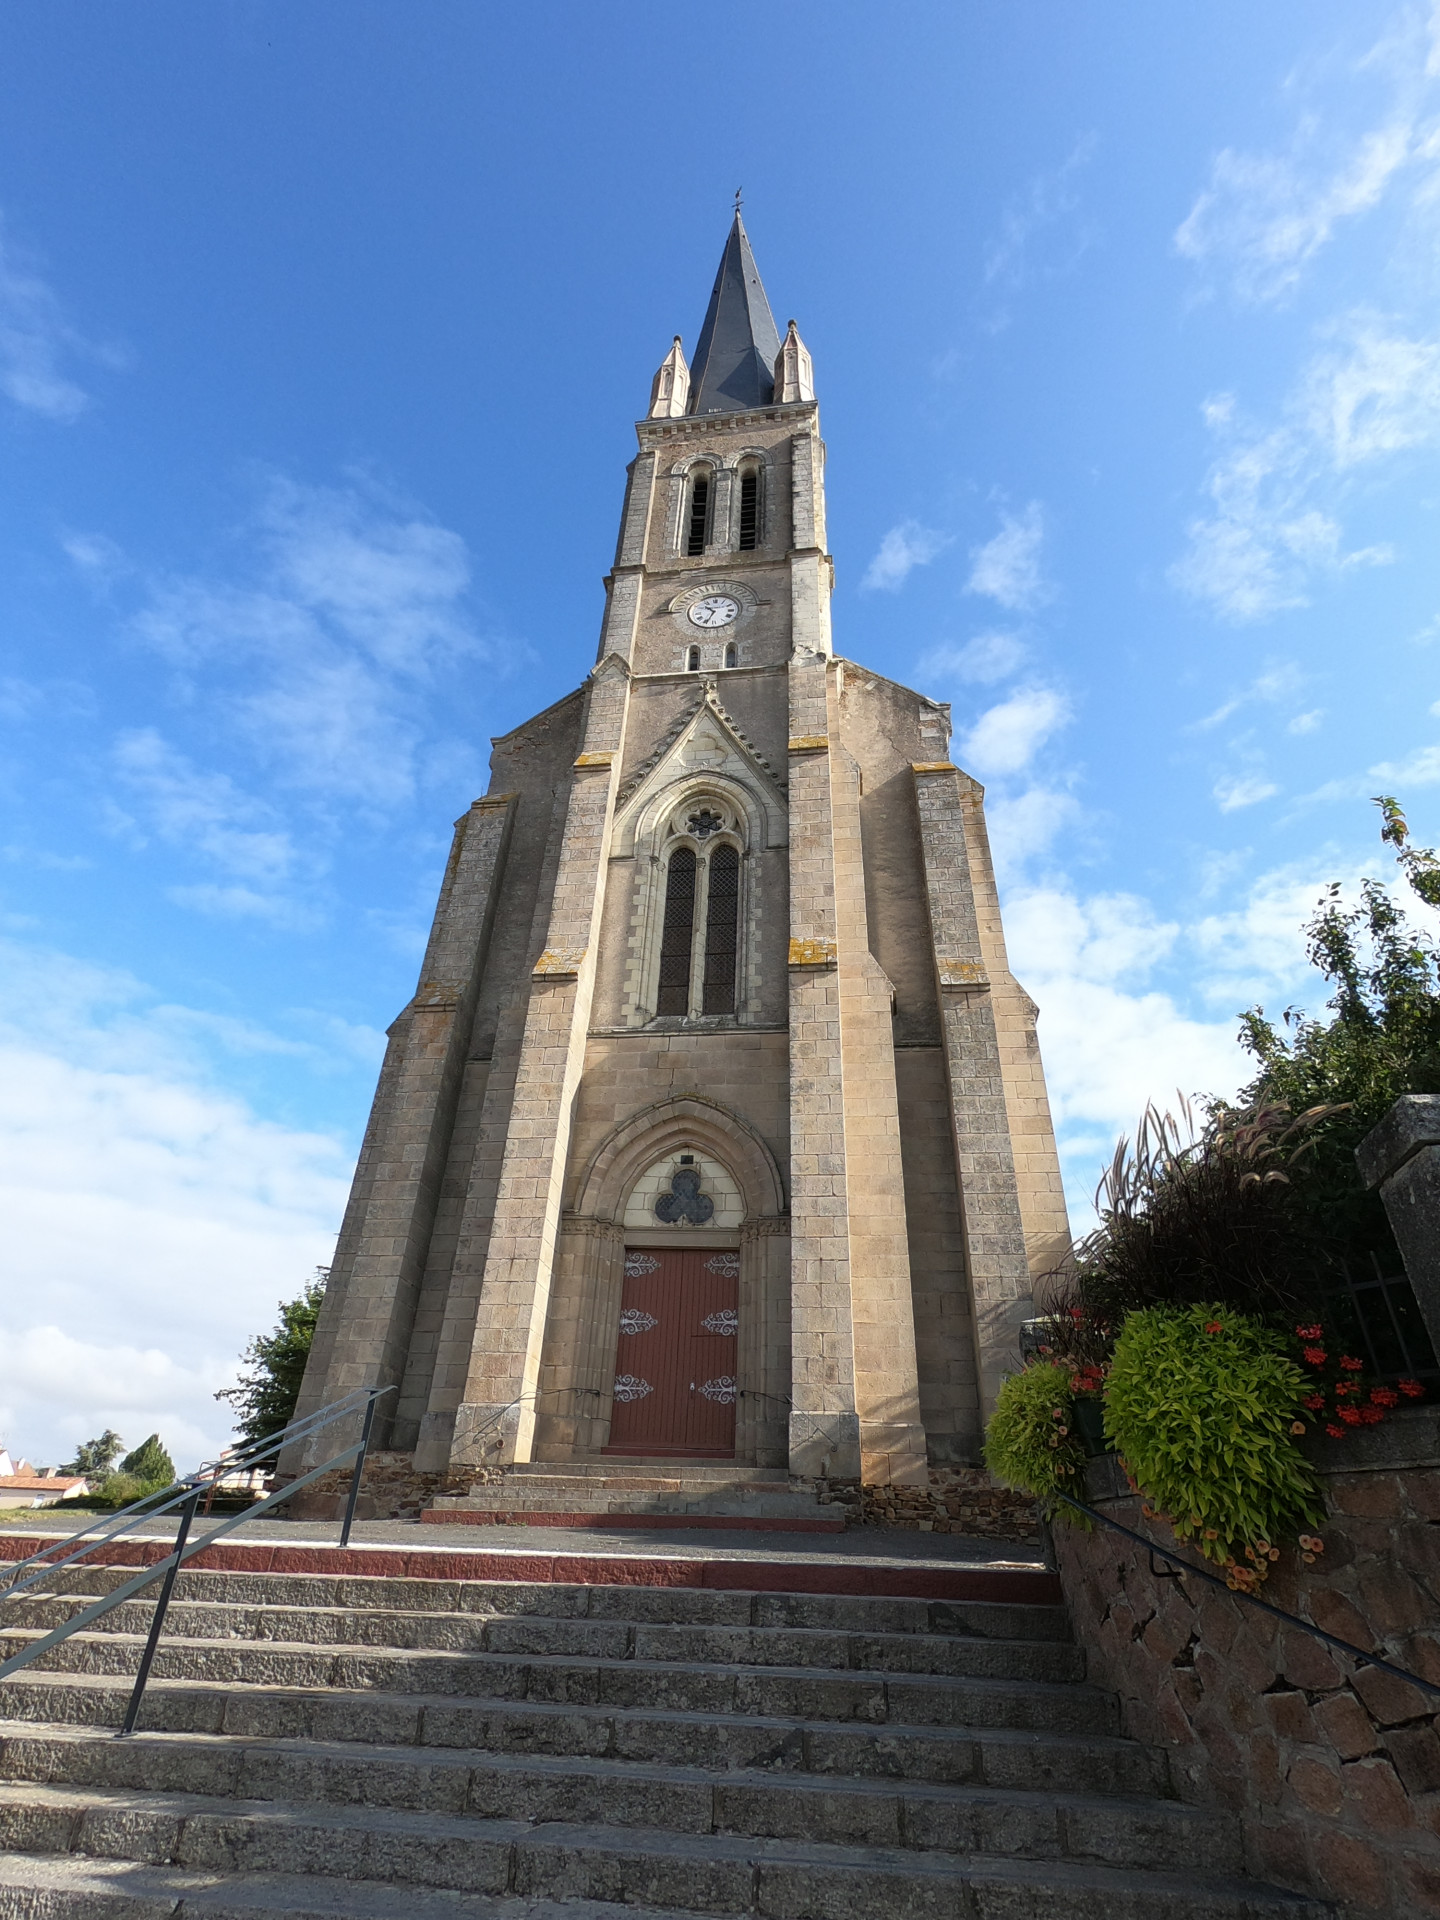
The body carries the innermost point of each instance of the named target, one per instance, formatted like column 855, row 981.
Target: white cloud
column 1007, row 568
column 345, row 613
column 35, row 341
column 903, row 548
column 1024, row 826
column 1007, row 737
column 1307, row 722
column 1276, row 683
column 1233, row 791
column 1045, row 208
column 1264, row 217
column 987, row 658
column 151, row 1222
column 1272, row 532
column 203, row 810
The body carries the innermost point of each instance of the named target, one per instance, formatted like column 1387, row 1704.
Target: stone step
column 469, row 1782
column 71, row 1887
column 690, row 1873
column 957, row 1755
column 663, row 1464
column 856, row 1613
column 693, row 1687
column 833, row 1649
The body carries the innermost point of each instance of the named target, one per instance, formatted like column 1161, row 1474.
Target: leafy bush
column 1030, row 1441
column 1204, row 1405
column 265, row 1398
column 149, row 1463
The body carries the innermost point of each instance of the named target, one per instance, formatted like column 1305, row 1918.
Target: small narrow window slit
column 731, row 660
column 692, row 660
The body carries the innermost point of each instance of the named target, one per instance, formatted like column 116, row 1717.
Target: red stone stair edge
column 729, row 1522
column 1008, row 1585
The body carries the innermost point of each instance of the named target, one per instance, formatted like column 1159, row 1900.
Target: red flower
column 1314, row 1356
column 1384, row 1397
column 1311, row 1333
column 1213, row 1326
column 1412, row 1389
column 1314, row 1401
column 1350, row 1363
column 1370, row 1415
column 1335, row 1433
column 1350, row 1415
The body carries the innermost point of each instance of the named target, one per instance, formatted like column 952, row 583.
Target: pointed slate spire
column 735, row 358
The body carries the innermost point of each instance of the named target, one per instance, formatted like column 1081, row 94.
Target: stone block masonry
column 1333, row 1771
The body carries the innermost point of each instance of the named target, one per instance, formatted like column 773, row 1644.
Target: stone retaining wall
column 957, row 1500
column 1334, row 1771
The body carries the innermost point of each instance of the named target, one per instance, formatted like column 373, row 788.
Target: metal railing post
column 354, row 1494
column 132, row 1712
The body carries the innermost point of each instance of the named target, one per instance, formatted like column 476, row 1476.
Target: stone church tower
column 716, row 1128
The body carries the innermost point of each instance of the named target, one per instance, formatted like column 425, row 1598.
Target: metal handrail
column 1358, row 1654
column 188, row 1499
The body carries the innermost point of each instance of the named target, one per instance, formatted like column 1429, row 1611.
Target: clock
column 715, row 610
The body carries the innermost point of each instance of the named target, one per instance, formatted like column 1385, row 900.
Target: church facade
column 716, row 1128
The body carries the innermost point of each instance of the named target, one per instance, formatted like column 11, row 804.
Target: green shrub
column 1031, row 1441
column 264, row 1401
column 119, row 1490
column 1204, row 1405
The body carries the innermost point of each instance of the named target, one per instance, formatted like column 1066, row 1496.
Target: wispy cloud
column 36, row 340
column 1263, row 217
column 1233, row 791
column 1277, row 683
column 324, row 648
column 1007, row 567
column 1007, row 737
column 1038, row 237
column 1273, row 532
column 903, row 548
column 985, row 660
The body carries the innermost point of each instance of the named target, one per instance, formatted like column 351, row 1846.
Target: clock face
column 715, row 610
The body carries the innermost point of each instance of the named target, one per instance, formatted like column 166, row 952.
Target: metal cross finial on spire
column 738, row 201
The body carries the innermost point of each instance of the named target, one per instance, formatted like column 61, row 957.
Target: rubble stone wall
column 1333, row 1769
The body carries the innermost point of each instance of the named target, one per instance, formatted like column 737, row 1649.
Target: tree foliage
column 95, row 1459
column 1382, row 1041
column 274, row 1366
column 149, row 1463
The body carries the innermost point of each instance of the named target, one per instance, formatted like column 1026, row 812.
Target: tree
column 95, row 1459
column 149, row 1463
column 265, row 1398
column 1383, row 1041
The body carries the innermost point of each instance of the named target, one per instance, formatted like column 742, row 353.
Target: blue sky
column 322, row 328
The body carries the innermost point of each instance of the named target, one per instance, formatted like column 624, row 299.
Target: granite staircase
column 639, row 1492
column 450, row 1749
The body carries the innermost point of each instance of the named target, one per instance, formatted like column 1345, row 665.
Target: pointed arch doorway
column 675, row 1363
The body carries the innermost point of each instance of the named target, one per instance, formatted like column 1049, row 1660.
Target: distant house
column 22, row 1485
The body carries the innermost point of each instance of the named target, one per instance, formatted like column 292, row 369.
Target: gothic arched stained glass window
column 722, row 907
column 677, row 934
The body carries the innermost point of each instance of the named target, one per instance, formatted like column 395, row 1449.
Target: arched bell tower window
column 697, row 520
column 749, row 509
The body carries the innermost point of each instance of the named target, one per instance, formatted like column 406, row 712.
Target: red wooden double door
column 675, row 1383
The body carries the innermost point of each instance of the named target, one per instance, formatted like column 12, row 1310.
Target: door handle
column 692, row 1386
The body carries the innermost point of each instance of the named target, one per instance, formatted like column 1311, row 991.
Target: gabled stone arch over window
column 697, row 915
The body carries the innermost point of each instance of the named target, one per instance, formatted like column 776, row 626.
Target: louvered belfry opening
column 699, row 515
column 677, row 933
column 749, row 510
column 720, row 929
